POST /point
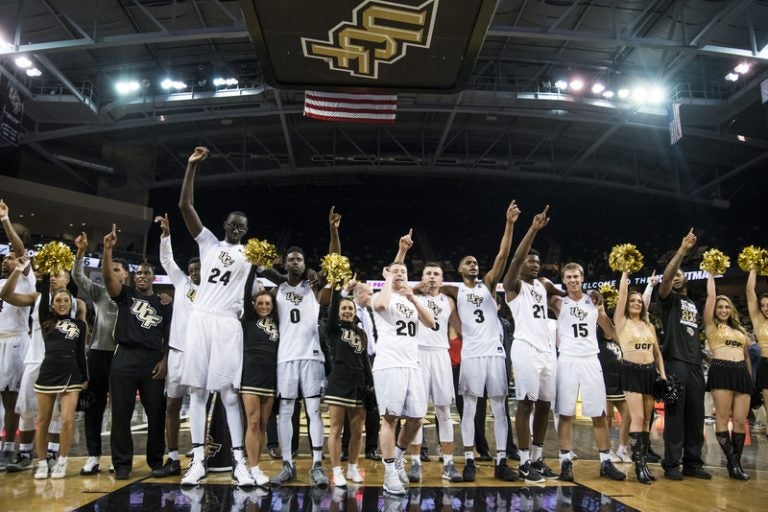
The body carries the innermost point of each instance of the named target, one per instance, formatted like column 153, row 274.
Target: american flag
column 350, row 108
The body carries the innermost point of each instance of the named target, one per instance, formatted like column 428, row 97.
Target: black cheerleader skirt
column 345, row 389
column 258, row 378
column 59, row 376
column 638, row 378
column 731, row 375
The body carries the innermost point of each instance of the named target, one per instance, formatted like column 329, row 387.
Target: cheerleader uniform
column 351, row 368
column 610, row 357
column 64, row 366
column 637, row 377
column 260, row 341
column 761, row 331
column 724, row 373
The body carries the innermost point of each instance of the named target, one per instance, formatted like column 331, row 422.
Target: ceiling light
column 173, row 84
column 34, row 72
column 657, row 95
column 127, row 87
column 577, row 85
column 598, row 88
column 561, row 84
column 742, row 68
column 623, row 93
column 741, row 138
column 640, row 94
column 608, row 94
column 229, row 82
column 23, row 62
column 732, row 77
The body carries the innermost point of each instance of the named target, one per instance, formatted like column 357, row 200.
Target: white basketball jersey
column 13, row 320
column 437, row 337
column 398, row 326
column 577, row 327
column 184, row 297
column 529, row 310
column 479, row 322
column 223, row 271
column 298, row 310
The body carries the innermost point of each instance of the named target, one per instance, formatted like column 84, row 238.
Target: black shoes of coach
column 504, row 472
column 484, row 457
column 697, row 472
column 673, row 474
column 608, row 470
column 122, row 473
column 275, row 453
column 372, row 455
column 566, row 471
column 170, row 468
column 470, row 470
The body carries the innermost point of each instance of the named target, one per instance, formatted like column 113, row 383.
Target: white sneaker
column 339, row 480
column 60, row 469
column 240, row 475
column 195, row 474
column 259, row 477
column 354, row 475
column 92, row 466
column 41, row 471
column 613, row 457
column 400, row 470
column 393, row 483
column 624, row 454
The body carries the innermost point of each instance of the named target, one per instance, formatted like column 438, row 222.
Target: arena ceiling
column 511, row 122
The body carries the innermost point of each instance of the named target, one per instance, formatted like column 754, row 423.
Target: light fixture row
column 642, row 93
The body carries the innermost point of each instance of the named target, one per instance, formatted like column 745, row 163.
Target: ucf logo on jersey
column 191, row 294
column 226, row 259
column 70, row 330
column 536, row 296
column 269, row 327
column 405, row 310
column 294, row 297
column 145, row 313
column 434, row 307
column 352, row 339
column 474, row 299
column 577, row 312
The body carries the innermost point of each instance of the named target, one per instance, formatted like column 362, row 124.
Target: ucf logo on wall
column 395, row 45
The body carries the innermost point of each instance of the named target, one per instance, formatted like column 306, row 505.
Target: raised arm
column 111, row 282
column 493, row 275
column 752, row 303
column 334, row 220
column 621, row 302
column 653, row 281
column 84, row 285
column 177, row 275
column 512, row 277
column 688, row 242
column 708, row 314
column 187, row 199
column 381, row 299
column 10, row 232
column 406, row 242
column 425, row 315
column 9, row 294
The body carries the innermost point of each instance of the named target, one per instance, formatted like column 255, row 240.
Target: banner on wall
column 12, row 111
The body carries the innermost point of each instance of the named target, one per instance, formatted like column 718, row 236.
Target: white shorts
column 481, row 374
column 12, row 351
column 437, row 375
column 173, row 386
column 580, row 374
column 27, row 400
column 534, row 372
column 400, row 392
column 309, row 374
column 213, row 355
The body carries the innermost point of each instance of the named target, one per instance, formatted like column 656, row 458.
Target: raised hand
column 688, row 242
column 406, row 241
column 597, row 299
column 334, row 219
column 3, row 210
column 81, row 241
column 513, row 212
column 164, row 224
column 110, row 240
column 22, row 263
column 540, row 219
column 200, row 154
column 351, row 283
column 654, row 279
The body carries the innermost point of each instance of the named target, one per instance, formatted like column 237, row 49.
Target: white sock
column 500, row 455
column 352, row 467
column 173, row 454
column 54, row 447
column 337, row 471
column 536, row 452
column 447, row 459
column 317, row 455
column 8, row 446
column 25, row 447
column 63, row 460
column 566, row 456
column 604, row 457
column 399, row 452
column 415, row 460
column 525, row 456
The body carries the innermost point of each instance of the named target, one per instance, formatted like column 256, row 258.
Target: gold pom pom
column 260, row 252
column 625, row 258
column 715, row 262
column 754, row 258
column 53, row 258
column 610, row 295
column 336, row 269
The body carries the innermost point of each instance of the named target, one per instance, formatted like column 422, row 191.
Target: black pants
column 99, row 362
column 132, row 372
column 684, row 420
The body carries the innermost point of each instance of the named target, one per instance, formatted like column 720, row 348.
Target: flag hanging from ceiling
column 350, row 108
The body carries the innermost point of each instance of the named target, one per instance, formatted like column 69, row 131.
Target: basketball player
column 578, row 370
column 300, row 357
column 214, row 341
column 483, row 360
column 533, row 355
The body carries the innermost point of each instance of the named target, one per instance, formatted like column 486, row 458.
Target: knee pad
column 444, row 422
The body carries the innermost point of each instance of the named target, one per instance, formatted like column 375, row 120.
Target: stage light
column 741, row 138
column 127, row 87
column 34, row 72
column 732, row 77
column 742, row 68
column 577, row 85
column 173, row 84
column 608, row 94
column 657, row 95
column 229, row 82
column 623, row 93
column 640, row 94
column 23, row 62
column 561, row 84
column 598, row 88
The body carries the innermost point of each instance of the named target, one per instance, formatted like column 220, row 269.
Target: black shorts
column 730, row 375
column 345, row 389
column 638, row 378
column 762, row 374
column 58, row 376
column 259, row 378
column 613, row 389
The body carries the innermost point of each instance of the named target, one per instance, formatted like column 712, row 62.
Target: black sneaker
column 673, row 474
column 529, row 474
column 697, row 472
column 122, row 474
column 566, row 471
column 544, row 470
column 470, row 470
column 504, row 472
column 424, row 454
column 170, row 468
column 608, row 470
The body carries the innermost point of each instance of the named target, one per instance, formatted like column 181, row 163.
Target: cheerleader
column 641, row 359
column 730, row 372
column 758, row 313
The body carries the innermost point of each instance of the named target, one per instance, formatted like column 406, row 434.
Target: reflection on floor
column 226, row 498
